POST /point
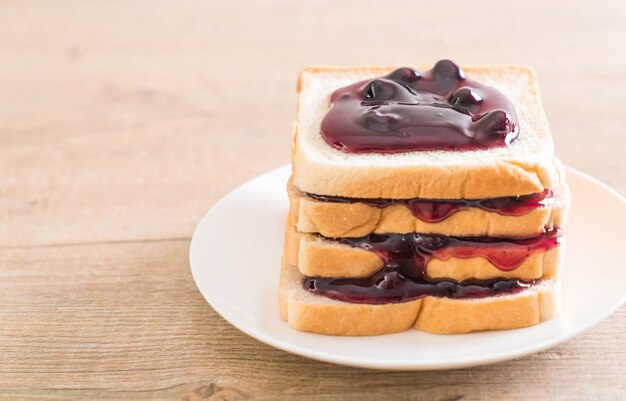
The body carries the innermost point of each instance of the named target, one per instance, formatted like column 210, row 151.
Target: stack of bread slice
column 353, row 215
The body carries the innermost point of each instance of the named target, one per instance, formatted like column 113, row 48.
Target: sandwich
column 422, row 197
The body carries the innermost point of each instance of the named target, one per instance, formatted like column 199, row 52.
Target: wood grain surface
column 122, row 122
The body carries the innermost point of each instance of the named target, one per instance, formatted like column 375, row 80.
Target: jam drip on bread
column 436, row 210
column 438, row 109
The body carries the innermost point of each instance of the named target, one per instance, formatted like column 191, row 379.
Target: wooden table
column 121, row 123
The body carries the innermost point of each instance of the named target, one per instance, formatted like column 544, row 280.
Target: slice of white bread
column 526, row 166
column 306, row 311
column 319, row 257
column 335, row 220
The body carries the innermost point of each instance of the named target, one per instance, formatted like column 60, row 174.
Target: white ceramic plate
column 235, row 260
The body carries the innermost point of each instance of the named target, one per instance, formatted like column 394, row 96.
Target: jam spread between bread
column 389, row 286
column 436, row 210
column 438, row 109
column 404, row 276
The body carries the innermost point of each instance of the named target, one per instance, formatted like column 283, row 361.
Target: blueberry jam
column 436, row 210
column 404, row 276
column 438, row 109
column 389, row 286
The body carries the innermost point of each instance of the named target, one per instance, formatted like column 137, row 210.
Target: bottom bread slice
column 306, row 311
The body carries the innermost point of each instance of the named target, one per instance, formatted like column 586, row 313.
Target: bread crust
column 334, row 220
column 447, row 316
column 351, row 319
column 316, row 257
column 489, row 180
column 520, row 171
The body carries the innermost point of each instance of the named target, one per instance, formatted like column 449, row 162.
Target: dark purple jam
column 404, row 111
column 436, row 210
column 390, row 286
column 404, row 276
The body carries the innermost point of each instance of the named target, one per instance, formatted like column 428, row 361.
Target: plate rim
column 377, row 364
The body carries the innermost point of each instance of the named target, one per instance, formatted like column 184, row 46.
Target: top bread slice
column 526, row 166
